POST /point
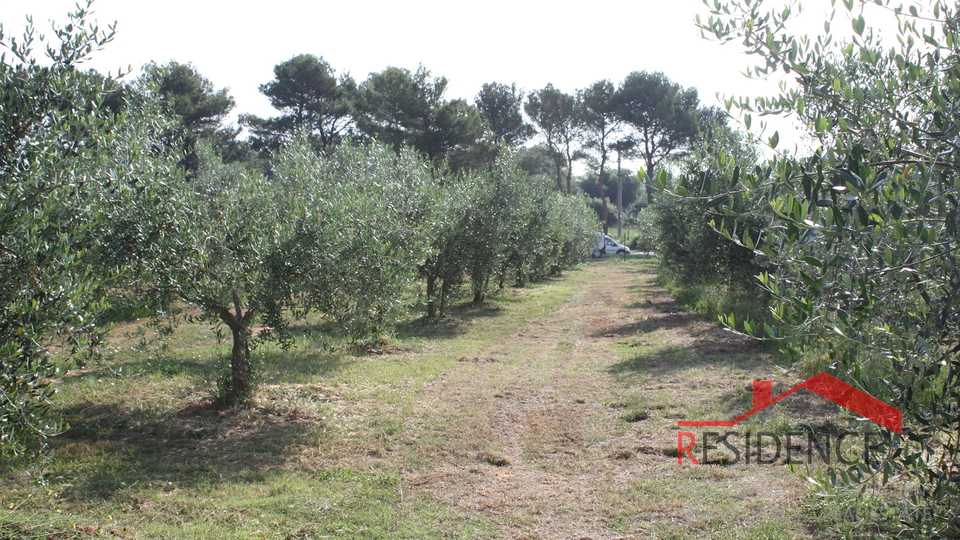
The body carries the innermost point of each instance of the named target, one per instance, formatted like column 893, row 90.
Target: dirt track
column 532, row 434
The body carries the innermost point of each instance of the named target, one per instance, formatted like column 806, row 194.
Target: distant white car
column 606, row 245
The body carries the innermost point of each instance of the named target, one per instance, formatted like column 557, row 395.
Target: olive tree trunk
column 237, row 386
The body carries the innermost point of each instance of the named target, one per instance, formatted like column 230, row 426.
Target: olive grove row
column 96, row 211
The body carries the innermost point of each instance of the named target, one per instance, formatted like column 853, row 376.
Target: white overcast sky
column 236, row 44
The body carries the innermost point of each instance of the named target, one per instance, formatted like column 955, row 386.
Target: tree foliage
column 401, row 109
column 369, row 220
column 72, row 172
column 501, row 106
column 311, row 99
column 600, row 123
column 557, row 117
column 552, row 231
column 662, row 114
column 536, row 160
column 865, row 230
column 630, row 186
column 191, row 98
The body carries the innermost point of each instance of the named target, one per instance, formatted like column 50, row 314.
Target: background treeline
column 646, row 120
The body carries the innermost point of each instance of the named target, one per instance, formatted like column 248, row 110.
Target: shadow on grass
column 661, row 312
column 680, row 371
column 729, row 379
column 195, row 368
column 299, row 363
column 143, row 438
column 703, row 353
column 459, row 316
column 664, row 320
column 110, row 448
column 650, row 294
column 658, row 362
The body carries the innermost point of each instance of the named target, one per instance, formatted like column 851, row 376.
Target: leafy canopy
column 74, row 178
column 311, row 99
column 864, row 232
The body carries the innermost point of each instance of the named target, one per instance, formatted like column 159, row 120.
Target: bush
column 699, row 266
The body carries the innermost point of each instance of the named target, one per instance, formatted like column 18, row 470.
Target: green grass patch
column 703, row 502
column 712, row 299
column 280, row 504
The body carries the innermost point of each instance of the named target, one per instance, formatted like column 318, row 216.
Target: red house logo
column 823, row 385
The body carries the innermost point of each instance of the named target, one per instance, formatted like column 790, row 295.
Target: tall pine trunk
column 603, row 198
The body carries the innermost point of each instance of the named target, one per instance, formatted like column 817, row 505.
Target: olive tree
column 492, row 226
column 368, row 216
column 574, row 229
column 338, row 234
column 474, row 226
column 72, row 173
column 866, row 229
column 214, row 255
column 499, row 225
column 551, row 231
column 445, row 268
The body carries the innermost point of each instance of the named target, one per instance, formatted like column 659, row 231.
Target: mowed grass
column 147, row 454
column 329, row 446
column 673, row 369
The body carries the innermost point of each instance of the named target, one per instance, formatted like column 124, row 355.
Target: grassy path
column 566, row 427
column 551, row 414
